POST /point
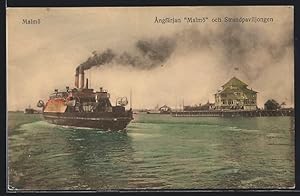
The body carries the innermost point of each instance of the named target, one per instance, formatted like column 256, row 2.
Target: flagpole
column 236, row 69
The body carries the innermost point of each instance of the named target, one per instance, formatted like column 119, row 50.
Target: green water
column 158, row 151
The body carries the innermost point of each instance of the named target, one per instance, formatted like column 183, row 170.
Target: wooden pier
column 233, row 113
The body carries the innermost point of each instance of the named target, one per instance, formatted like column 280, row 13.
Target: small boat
column 29, row 110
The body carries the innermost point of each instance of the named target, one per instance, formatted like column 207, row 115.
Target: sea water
column 156, row 152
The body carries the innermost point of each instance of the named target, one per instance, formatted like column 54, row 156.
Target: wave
column 43, row 125
column 251, row 180
column 143, row 135
column 233, row 128
column 175, row 122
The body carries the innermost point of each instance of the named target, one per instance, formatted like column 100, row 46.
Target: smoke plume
column 235, row 46
column 149, row 54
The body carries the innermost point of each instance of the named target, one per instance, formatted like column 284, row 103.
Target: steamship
column 84, row 107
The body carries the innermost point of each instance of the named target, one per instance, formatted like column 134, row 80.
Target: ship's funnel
column 77, row 78
column 87, row 83
column 77, row 81
column 81, row 73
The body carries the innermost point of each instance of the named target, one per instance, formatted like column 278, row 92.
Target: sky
column 161, row 64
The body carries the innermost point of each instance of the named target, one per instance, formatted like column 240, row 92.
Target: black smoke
column 96, row 60
column 149, row 53
column 251, row 50
column 235, row 45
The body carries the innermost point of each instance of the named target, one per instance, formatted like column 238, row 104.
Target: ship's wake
column 43, row 125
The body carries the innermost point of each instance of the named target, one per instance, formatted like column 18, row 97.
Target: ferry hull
column 90, row 121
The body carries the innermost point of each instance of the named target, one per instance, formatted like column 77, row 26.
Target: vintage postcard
column 134, row 98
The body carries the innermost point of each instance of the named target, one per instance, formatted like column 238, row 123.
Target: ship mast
column 130, row 97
